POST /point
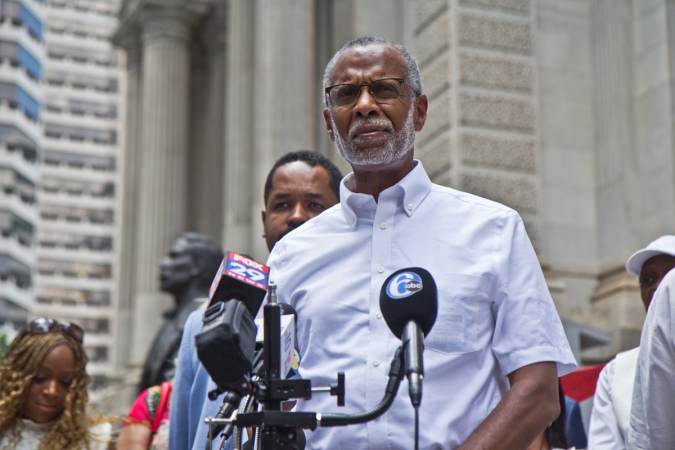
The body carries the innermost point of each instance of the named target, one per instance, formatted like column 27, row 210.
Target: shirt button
column 380, row 269
column 383, row 226
column 376, row 363
column 378, row 315
column 409, row 207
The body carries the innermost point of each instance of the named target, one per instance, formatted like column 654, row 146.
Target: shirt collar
column 411, row 190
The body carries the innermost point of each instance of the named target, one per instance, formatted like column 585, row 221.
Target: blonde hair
column 22, row 360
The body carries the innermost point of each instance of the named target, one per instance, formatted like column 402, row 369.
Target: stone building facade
column 562, row 110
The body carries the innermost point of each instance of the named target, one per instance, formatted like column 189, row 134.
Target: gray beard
column 396, row 147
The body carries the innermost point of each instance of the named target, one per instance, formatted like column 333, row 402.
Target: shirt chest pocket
column 464, row 322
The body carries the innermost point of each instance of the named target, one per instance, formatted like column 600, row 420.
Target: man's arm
column 526, row 410
column 179, row 431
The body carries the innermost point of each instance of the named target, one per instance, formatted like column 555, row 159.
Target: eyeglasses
column 45, row 325
column 383, row 90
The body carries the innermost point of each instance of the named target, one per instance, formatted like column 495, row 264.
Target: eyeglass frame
column 327, row 90
column 43, row 325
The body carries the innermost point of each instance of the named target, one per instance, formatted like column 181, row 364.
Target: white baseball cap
column 665, row 245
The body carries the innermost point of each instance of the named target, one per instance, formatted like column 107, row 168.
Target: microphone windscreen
column 241, row 278
column 409, row 294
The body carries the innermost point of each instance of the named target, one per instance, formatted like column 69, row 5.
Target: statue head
column 191, row 264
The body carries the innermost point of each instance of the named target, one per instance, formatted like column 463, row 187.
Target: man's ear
column 420, row 115
column 263, row 216
column 329, row 125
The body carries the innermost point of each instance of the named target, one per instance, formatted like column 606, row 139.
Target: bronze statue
column 186, row 274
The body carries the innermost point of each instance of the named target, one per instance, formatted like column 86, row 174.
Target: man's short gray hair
column 413, row 71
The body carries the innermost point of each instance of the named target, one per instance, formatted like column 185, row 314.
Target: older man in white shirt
column 652, row 416
column 497, row 347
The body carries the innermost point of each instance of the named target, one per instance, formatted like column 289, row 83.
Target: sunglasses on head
column 46, row 324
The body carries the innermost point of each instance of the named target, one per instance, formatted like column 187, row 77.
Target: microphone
column 241, row 278
column 409, row 304
column 226, row 344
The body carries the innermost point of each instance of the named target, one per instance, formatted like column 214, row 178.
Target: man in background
column 300, row 186
column 652, row 414
column 610, row 416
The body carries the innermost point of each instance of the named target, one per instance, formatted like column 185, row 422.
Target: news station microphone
column 227, row 342
column 409, row 305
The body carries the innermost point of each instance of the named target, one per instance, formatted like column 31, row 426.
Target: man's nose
column 298, row 214
column 366, row 104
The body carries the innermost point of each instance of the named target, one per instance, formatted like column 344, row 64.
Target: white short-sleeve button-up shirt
column 495, row 313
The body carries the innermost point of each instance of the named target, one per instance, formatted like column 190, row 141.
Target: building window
column 80, row 134
column 95, row 326
column 97, row 353
column 30, row 63
column 73, row 297
column 32, row 23
column 19, row 98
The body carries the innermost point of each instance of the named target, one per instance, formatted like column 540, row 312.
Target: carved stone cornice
column 171, row 23
column 147, row 19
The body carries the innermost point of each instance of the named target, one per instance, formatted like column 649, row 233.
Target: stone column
column 163, row 159
column 207, row 149
column 271, row 105
column 616, row 304
column 654, row 96
column 568, row 215
column 130, row 161
column 284, row 93
column 238, row 153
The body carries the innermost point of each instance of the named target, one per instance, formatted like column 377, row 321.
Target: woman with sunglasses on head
column 43, row 394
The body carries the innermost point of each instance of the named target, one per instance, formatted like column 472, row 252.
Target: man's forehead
column 662, row 258
column 378, row 59
column 298, row 177
column 297, row 171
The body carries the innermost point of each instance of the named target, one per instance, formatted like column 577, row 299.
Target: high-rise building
column 21, row 70
column 77, row 237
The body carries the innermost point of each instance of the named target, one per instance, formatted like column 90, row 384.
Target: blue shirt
column 495, row 314
column 189, row 399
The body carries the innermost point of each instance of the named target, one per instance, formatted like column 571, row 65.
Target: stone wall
column 477, row 64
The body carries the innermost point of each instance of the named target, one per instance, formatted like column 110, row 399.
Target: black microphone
column 409, row 304
column 226, row 344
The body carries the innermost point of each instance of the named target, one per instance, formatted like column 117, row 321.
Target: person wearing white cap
column 610, row 417
column 652, row 415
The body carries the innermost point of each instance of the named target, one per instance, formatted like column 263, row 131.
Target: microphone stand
column 278, row 430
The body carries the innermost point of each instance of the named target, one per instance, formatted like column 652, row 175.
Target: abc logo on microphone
column 404, row 285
